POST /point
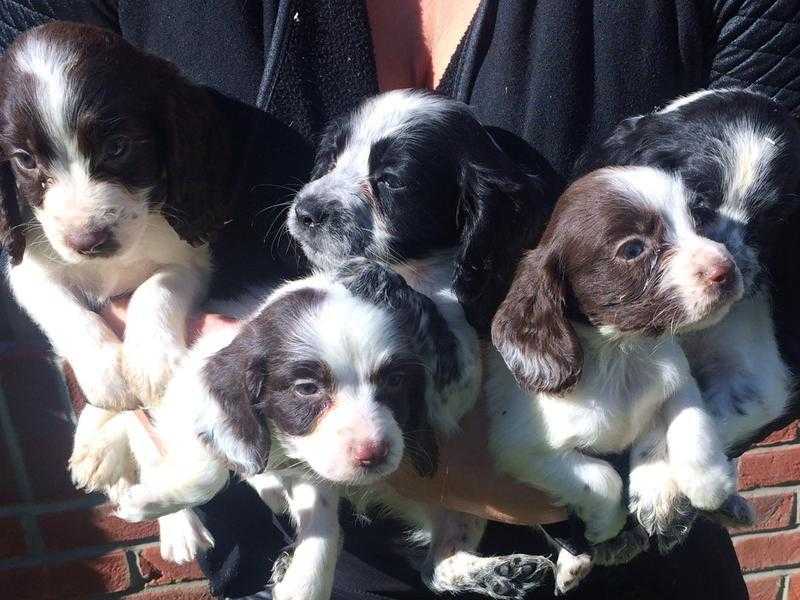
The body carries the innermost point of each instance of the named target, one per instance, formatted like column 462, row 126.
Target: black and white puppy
column 414, row 181
column 328, row 382
column 588, row 331
column 112, row 174
column 738, row 152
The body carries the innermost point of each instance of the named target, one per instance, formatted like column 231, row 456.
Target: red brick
column 90, row 527
column 790, row 433
column 181, row 591
column 764, row 588
column 12, row 538
column 777, row 466
column 34, row 389
column 794, row 587
column 157, row 571
column 775, row 511
column 767, row 551
column 67, row 581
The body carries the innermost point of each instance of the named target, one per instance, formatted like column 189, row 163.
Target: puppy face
column 346, row 400
column 622, row 250
column 409, row 175
column 738, row 152
column 87, row 129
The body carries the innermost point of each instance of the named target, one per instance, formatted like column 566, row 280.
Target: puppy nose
column 719, row 273
column 311, row 213
column 88, row 241
column 370, row 454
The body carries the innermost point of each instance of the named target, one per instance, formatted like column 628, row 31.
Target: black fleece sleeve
column 756, row 44
column 17, row 16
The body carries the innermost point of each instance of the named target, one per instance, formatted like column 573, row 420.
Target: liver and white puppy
column 588, row 331
column 112, row 175
column 338, row 369
column 739, row 153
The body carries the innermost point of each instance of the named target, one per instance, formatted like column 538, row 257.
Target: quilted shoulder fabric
column 757, row 45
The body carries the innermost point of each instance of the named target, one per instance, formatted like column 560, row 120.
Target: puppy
column 414, row 181
column 739, row 153
column 330, row 378
column 588, row 332
column 112, row 175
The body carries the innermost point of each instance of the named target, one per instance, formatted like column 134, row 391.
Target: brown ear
column 12, row 239
column 531, row 330
column 197, row 166
column 235, row 377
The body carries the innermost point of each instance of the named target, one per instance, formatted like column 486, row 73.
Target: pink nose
column 370, row 454
column 718, row 272
column 88, row 241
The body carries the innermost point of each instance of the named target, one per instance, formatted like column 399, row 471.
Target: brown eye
column 631, row 249
column 24, row 160
column 116, row 148
column 306, row 388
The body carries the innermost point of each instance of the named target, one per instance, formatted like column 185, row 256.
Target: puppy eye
column 24, row 160
column 391, row 181
column 631, row 249
column 306, row 388
column 116, row 148
column 395, row 379
column 703, row 214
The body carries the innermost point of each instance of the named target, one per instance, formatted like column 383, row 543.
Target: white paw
column 183, row 536
column 148, row 367
column 136, row 504
column 708, row 487
column 103, row 381
column 571, row 570
column 654, row 497
column 603, row 523
column 94, row 467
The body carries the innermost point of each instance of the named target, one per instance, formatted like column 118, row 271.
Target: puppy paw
column 183, row 536
column 571, row 570
column 137, row 504
column 148, row 368
column 103, row 383
column 603, row 522
column 654, row 498
column 709, row 487
column 503, row 577
column 95, row 467
column 734, row 512
column 623, row 548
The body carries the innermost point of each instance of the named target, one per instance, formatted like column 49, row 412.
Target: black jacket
column 558, row 73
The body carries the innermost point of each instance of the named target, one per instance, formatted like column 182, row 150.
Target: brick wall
column 769, row 552
column 57, row 542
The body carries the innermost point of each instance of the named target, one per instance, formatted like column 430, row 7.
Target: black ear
column 332, row 141
column 502, row 208
column 531, row 330
column 12, row 239
column 235, row 377
column 422, row 447
column 197, row 165
column 428, row 329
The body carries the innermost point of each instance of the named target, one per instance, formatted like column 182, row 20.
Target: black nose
column 311, row 213
column 89, row 241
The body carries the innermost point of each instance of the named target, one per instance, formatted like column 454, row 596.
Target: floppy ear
column 531, row 330
column 12, row 240
column 429, row 331
column 330, row 143
column 501, row 210
column 197, row 166
column 235, row 377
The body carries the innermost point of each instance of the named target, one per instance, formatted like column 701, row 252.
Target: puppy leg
column 308, row 575
column 452, row 565
column 101, row 454
column 591, row 486
column 183, row 536
column 155, row 333
column 700, row 467
column 77, row 334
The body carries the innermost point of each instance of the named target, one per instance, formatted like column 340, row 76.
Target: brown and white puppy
column 113, row 175
column 588, row 331
column 338, row 371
